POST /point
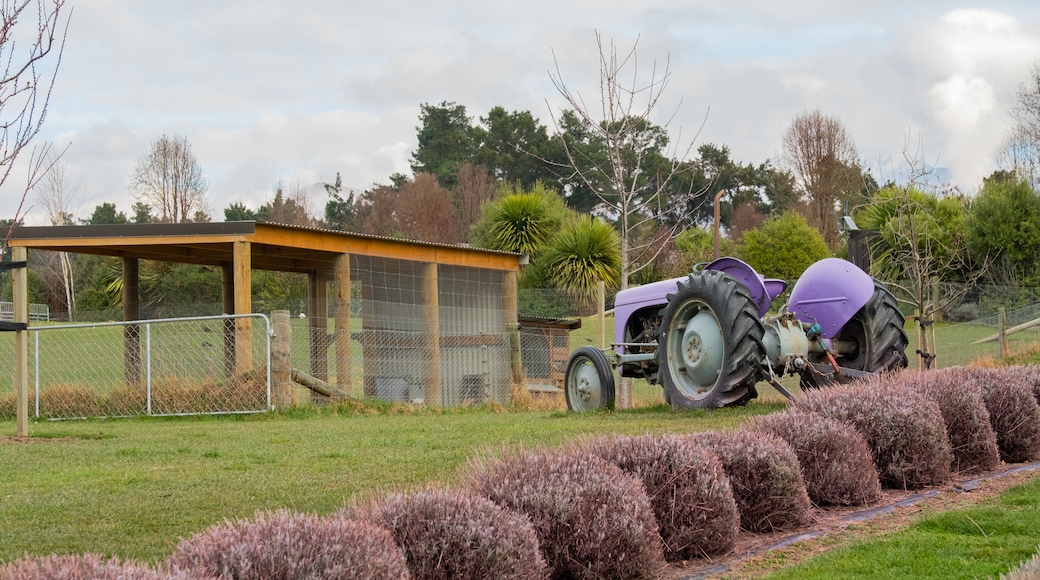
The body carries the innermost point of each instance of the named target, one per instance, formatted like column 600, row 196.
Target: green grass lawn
column 983, row 541
column 132, row 487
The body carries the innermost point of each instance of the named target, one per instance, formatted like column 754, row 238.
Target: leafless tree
column 32, row 40
column 628, row 99
column 425, row 211
column 474, row 188
column 822, row 156
column 57, row 193
column 1020, row 151
column 169, row 179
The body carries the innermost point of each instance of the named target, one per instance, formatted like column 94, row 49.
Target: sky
column 273, row 92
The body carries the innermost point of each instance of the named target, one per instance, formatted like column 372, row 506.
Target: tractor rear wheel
column 710, row 345
column 588, row 383
column 877, row 330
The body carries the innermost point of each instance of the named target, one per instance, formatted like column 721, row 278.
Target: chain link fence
column 179, row 366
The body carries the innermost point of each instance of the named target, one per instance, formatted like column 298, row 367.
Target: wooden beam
column 131, row 332
column 318, row 323
column 344, row 372
column 20, row 295
column 242, row 267
column 431, row 312
column 510, row 302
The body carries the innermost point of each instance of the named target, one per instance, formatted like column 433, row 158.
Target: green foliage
column 917, row 231
column 521, row 223
column 783, row 247
column 446, row 140
column 339, row 211
column 238, row 212
column 106, row 213
column 586, row 251
column 1004, row 222
column 279, row 291
column 514, row 147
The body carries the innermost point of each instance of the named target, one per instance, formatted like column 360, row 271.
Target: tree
column 823, row 158
column 238, row 212
column 56, row 194
column 446, row 139
column 1003, row 222
column 475, row 188
column 106, row 214
column 142, row 213
column 583, row 253
column 1020, row 152
column 783, row 247
column 32, row 40
column 169, row 179
column 339, row 211
column 425, row 212
column 288, row 209
column 514, row 147
column 615, row 151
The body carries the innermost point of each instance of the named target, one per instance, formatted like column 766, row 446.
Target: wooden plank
column 318, row 324
column 131, row 332
column 242, row 267
column 431, row 309
column 344, row 372
column 20, row 296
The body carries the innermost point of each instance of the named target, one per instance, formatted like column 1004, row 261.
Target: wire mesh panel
column 158, row 367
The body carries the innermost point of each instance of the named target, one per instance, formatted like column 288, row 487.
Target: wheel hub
column 700, row 353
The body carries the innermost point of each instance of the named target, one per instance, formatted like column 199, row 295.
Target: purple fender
column 762, row 290
column 831, row 292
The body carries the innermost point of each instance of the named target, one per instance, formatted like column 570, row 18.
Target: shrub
column 448, row 534
column 1032, row 376
column 903, row 429
column 767, row 481
column 959, row 396
column 592, row 519
column 80, row 567
column 69, row 402
column 283, row 545
column 834, row 458
column 688, row 489
column 1013, row 412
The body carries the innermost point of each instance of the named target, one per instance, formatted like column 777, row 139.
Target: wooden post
column 227, row 303
column 510, row 302
column 318, row 325
column 601, row 300
column 431, row 311
column 242, row 266
column 1002, row 317
column 131, row 332
column 20, row 296
column 282, row 392
column 344, row 375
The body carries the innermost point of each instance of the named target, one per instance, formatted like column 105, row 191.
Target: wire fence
column 149, row 367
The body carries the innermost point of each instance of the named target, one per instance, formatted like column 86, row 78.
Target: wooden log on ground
column 317, row 385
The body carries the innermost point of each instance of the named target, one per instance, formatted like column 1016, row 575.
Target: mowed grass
column 133, row 487
column 983, row 541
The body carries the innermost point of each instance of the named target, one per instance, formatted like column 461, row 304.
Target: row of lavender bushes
column 622, row 507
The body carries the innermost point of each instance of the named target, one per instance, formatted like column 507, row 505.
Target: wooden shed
column 436, row 319
column 546, row 345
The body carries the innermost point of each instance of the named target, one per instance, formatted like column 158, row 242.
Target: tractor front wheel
column 710, row 345
column 588, row 383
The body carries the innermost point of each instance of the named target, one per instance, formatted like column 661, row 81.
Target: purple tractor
column 707, row 341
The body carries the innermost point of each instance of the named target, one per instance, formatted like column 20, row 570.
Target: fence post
column 20, row 280
column 281, row 361
column 919, row 336
column 601, row 299
column 1002, row 316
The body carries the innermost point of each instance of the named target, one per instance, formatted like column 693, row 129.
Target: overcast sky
column 292, row 92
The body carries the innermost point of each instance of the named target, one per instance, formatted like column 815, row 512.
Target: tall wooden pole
column 21, row 341
column 242, row 266
column 431, row 310
column 131, row 311
column 341, row 272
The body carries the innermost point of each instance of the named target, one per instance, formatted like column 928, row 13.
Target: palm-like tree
column 583, row 253
column 521, row 223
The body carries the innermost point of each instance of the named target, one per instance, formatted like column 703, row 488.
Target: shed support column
column 282, row 392
column 227, row 300
column 20, row 295
column 344, row 373
column 242, row 267
column 131, row 332
column 318, row 321
column 509, row 313
column 431, row 310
